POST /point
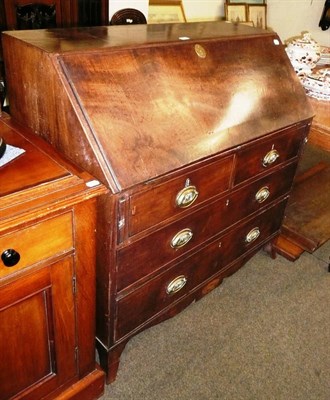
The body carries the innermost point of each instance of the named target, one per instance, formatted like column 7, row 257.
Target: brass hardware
column 252, row 235
column 176, row 285
column 200, row 51
column 181, row 238
column 270, row 158
column 262, row 194
column 186, row 196
column 121, row 223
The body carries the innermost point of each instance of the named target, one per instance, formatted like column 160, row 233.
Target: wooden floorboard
column 306, row 224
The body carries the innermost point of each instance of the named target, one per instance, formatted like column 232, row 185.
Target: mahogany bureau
column 196, row 129
column 47, row 273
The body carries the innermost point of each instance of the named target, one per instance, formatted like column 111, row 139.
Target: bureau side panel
column 39, row 100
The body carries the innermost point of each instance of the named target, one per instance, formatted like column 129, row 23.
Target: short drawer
column 259, row 158
column 159, row 293
column 261, row 193
column 35, row 243
column 150, row 207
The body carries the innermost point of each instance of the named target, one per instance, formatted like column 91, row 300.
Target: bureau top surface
column 158, row 97
column 125, row 36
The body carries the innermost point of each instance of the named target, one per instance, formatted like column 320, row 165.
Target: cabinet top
column 38, row 180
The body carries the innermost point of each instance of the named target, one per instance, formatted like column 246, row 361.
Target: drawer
column 159, row 293
column 252, row 233
column 35, row 243
column 153, row 206
column 150, row 253
column 259, row 158
column 261, row 193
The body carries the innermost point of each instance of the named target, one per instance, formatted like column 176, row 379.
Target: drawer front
column 35, row 243
column 261, row 193
column 173, row 197
column 148, row 254
column 253, row 232
column 264, row 156
column 154, row 296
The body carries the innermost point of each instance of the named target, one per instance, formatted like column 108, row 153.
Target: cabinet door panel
column 35, row 343
column 21, row 323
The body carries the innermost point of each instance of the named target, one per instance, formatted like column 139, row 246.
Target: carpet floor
column 263, row 334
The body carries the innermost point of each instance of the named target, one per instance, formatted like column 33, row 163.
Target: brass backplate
column 200, row 51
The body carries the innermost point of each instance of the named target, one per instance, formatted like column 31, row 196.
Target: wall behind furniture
column 289, row 18
column 203, row 9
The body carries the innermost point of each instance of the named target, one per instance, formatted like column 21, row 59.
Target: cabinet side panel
column 85, row 226
column 106, row 268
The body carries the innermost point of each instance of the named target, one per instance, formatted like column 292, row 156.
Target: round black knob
column 10, row 257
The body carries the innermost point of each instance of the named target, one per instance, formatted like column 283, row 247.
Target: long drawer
column 151, row 252
column 150, row 207
column 149, row 299
column 258, row 158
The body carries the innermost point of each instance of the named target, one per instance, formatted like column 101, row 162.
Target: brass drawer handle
column 252, row 235
column 181, row 238
column 186, row 196
column 270, row 158
column 176, row 285
column 262, row 194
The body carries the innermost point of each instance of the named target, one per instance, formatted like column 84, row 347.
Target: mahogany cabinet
column 196, row 130
column 41, row 14
column 45, row 14
column 320, row 129
column 47, row 274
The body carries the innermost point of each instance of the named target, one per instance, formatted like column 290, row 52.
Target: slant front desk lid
column 153, row 98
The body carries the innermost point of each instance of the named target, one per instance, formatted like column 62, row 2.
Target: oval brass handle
column 262, row 194
column 181, row 238
column 186, row 196
column 177, row 284
column 270, row 158
column 252, row 235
